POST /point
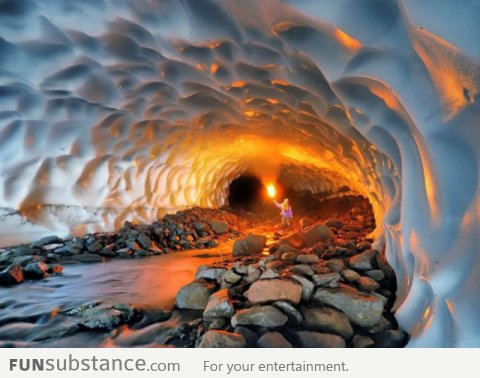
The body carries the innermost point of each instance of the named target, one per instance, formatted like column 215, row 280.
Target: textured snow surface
column 127, row 109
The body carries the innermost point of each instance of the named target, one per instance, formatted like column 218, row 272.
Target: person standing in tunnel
column 286, row 212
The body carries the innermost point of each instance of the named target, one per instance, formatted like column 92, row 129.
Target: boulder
column 100, row 318
column 95, row 247
column 334, row 223
column 208, row 273
column 328, row 320
column 263, row 316
column 219, row 306
column 249, row 245
column 367, row 284
column 35, row 270
column 269, row 274
column 308, row 339
column 23, row 250
column 13, row 274
column 304, row 223
column 308, row 259
column 264, row 291
column 222, row 339
column 144, row 241
column 273, row 340
column 230, row 277
column 350, row 275
column 364, row 261
column 316, row 234
column 250, row 336
column 46, row 241
column 328, row 279
column 362, row 309
column 293, row 315
column 376, row 274
column 335, row 265
column 360, row 341
column 390, row 339
column 307, row 286
column 219, row 227
column 195, row 295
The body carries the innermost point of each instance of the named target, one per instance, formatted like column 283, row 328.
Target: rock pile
column 194, row 228
column 310, row 291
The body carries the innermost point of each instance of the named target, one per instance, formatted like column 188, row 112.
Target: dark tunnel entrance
column 246, row 192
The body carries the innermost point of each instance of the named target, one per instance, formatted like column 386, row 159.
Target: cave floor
column 35, row 312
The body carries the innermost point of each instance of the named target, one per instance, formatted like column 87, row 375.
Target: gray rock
column 328, row 320
column 253, row 276
column 207, row 273
column 350, row 275
column 195, row 295
column 293, row 315
column 308, row 339
column 269, row 274
column 99, row 318
column 108, row 251
column 219, row 227
column 144, row 241
column 63, row 251
column 302, row 269
column 219, row 306
column 286, row 248
column 264, row 291
column 88, row 258
column 289, row 256
column 51, row 247
column 124, row 253
column 364, row 261
column 334, row 223
column 335, row 265
column 316, row 234
column 26, row 260
column 95, row 247
column 230, row 277
column 249, row 245
column 307, row 286
column 362, row 309
column 263, row 316
column 362, row 341
column 11, row 275
column 376, row 274
column 304, row 223
column 23, row 250
column 273, row 340
column 250, row 336
column 35, row 270
column 46, row 241
column 390, row 339
column 222, row 339
column 367, row 284
column 328, row 279
column 308, row 259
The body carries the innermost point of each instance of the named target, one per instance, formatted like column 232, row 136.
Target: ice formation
column 127, row 109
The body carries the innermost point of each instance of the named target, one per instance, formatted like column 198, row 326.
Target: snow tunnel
column 146, row 107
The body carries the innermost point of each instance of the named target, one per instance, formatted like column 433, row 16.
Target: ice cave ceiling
column 126, row 109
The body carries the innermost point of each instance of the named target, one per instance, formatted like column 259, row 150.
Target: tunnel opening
column 246, row 192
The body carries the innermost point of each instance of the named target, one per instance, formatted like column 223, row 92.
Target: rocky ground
column 322, row 286
column 196, row 228
column 318, row 284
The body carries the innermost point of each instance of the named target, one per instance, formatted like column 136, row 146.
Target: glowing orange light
column 271, row 191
